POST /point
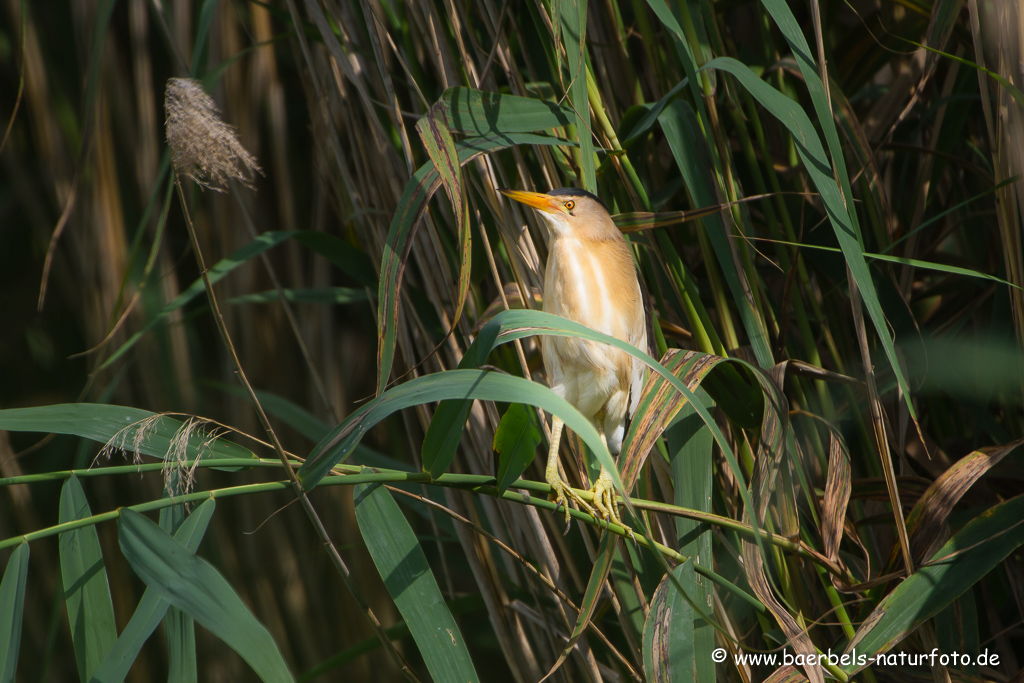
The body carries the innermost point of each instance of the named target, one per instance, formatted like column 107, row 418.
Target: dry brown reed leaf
column 203, row 147
column 837, row 496
column 665, row 404
column 929, row 515
column 797, row 637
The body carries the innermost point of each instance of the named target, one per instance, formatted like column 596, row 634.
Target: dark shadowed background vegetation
column 240, row 441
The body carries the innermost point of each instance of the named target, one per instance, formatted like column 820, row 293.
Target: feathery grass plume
column 138, row 432
column 203, row 147
column 131, row 439
column 177, row 454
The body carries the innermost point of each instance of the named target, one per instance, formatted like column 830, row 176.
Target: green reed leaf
column 403, row 567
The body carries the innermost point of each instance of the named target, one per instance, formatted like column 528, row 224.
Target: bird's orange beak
column 537, row 200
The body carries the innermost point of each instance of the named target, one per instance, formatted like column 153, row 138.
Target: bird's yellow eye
column 570, row 205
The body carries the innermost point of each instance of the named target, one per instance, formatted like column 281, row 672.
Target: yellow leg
column 563, row 493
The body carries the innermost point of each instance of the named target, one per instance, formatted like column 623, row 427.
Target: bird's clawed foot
column 604, row 501
column 563, row 493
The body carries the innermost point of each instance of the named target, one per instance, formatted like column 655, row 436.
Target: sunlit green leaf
column 403, row 567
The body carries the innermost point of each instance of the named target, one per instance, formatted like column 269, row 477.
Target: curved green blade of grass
column 129, row 429
column 194, row 586
column 151, row 608
column 418, row 191
column 411, row 584
column 475, row 112
column 507, row 324
column 12, row 609
column 454, row 384
column 964, row 560
column 86, row 589
column 669, row 649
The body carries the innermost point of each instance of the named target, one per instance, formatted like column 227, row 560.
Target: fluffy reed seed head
column 203, row 147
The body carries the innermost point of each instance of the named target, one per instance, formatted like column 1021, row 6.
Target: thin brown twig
column 21, row 83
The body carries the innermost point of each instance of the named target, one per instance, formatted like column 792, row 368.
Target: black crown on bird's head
column 576, row 192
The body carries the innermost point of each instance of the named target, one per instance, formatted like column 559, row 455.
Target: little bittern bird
column 590, row 278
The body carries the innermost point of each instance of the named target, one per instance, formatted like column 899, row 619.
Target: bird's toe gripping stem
column 604, row 500
column 563, row 493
